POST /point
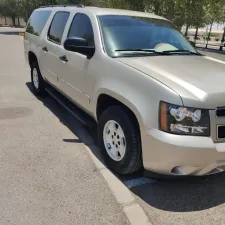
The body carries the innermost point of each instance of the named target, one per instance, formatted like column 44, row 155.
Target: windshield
column 131, row 35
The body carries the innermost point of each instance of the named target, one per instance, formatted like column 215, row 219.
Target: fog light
column 179, row 128
column 184, row 170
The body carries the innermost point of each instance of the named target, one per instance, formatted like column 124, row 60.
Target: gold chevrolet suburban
column 159, row 104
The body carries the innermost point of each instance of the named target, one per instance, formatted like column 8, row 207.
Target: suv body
column 161, row 104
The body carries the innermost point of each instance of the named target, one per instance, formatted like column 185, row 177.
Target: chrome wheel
column 35, row 78
column 114, row 140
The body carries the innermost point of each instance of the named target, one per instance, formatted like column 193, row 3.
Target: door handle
column 45, row 49
column 63, row 58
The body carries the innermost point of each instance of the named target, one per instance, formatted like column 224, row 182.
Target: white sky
column 218, row 27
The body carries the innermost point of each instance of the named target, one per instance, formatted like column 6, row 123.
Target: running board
column 79, row 114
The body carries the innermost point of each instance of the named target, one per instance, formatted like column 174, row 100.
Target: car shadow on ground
column 84, row 134
column 10, row 33
column 183, row 195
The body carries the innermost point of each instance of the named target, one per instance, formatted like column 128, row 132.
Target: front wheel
column 119, row 140
column 38, row 82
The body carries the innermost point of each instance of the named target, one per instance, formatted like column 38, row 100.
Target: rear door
column 52, row 47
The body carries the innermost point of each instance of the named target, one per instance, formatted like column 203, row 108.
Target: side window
column 37, row 22
column 57, row 27
column 82, row 27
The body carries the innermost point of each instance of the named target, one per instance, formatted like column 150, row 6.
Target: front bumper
column 171, row 154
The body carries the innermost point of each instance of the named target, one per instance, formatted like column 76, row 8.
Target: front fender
column 119, row 97
column 139, row 92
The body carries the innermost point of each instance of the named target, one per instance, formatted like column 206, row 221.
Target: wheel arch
column 105, row 101
column 108, row 98
column 32, row 58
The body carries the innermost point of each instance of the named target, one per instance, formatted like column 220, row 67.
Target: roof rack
column 69, row 5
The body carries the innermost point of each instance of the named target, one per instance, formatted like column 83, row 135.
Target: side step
column 79, row 114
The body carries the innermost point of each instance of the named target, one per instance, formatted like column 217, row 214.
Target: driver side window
column 82, row 27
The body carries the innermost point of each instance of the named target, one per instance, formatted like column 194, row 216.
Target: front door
column 76, row 81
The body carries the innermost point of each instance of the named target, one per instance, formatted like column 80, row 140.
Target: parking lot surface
column 47, row 176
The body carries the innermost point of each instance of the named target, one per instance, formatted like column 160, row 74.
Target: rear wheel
column 119, row 140
column 38, row 82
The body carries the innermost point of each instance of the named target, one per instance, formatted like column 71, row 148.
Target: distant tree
column 9, row 8
column 137, row 5
column 215, row 13
column 174, row 10
column 3, row 12
column 198, row 15
column 222, row 40
column 192, row 13
column 28, row 6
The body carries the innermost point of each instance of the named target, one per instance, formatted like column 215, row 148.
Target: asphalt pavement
column 220, row 56
column 214, row 47
column 47, row 177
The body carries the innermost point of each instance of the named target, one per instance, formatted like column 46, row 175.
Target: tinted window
column 129, row 32
column 82, row 27
column 57, row 27
column 37, row 22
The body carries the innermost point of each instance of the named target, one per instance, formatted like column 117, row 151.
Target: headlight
column 183, row 120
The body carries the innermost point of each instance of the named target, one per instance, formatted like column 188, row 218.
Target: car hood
column 199, row 80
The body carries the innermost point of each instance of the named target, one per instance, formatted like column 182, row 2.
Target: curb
column 134, row 212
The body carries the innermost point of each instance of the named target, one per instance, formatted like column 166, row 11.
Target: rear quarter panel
column 33, row 43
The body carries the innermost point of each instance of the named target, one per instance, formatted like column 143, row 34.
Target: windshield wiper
column 167, row 52
column 141, row 50
column 181, row 51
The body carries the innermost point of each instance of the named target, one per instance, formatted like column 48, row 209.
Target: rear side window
column 57, row 27
column 82, row 27
column 37, row 22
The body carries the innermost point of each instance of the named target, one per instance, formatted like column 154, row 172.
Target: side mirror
column 80, row 45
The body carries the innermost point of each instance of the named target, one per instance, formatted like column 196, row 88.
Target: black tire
column 132, row 160
column 40, row 90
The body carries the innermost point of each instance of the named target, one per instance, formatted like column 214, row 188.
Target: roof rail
column 69, row 5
